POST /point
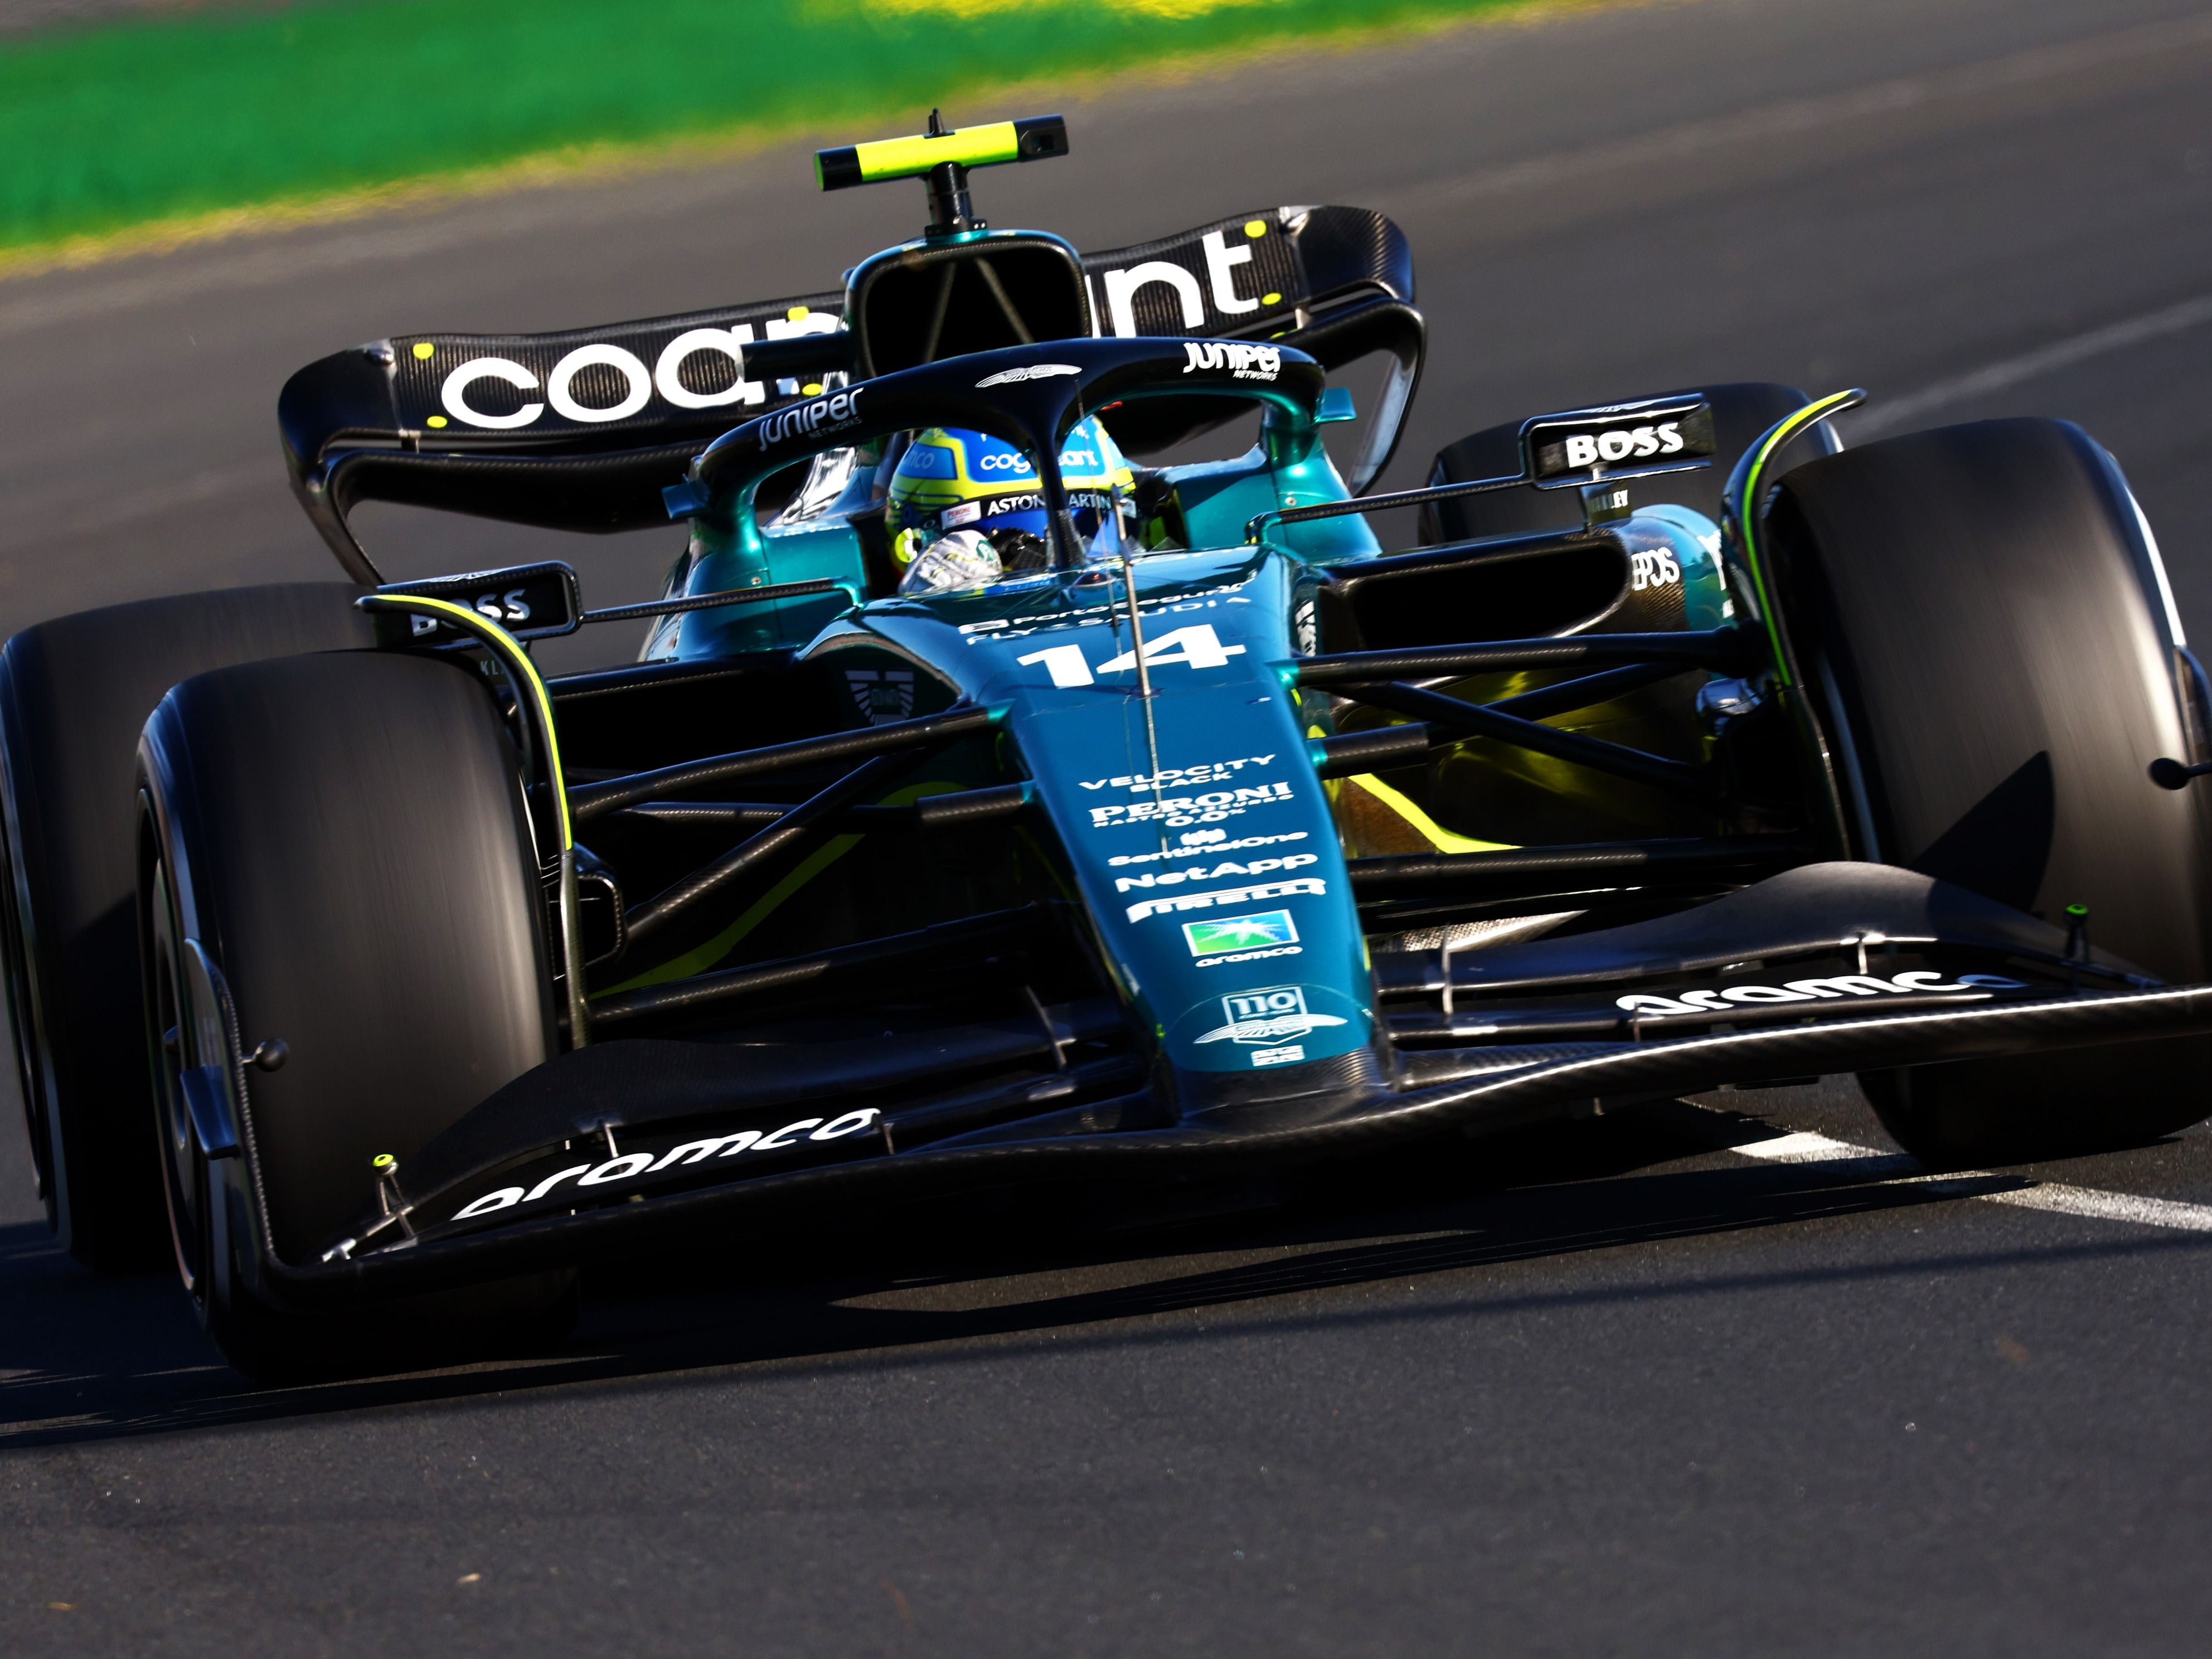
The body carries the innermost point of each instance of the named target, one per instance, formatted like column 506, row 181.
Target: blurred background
column 1604, row 201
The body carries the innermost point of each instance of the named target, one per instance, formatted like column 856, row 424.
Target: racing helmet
column 966, row 509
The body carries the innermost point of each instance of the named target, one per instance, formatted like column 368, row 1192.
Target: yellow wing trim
column 1434, row 833
column 517, row 660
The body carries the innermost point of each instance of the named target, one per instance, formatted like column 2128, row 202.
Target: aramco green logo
column 1253, row 932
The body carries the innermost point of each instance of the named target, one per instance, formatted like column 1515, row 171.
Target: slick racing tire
column 1980, row 618
column 74, row 695
column 1742, row 414
column 333, row 855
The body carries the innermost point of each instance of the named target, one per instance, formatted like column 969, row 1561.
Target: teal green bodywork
column 1196, row 829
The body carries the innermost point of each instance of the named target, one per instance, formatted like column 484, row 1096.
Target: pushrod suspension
column 936, row 945
column 1475, row 719
column 959, row 808
column 796, row 825
column 1719, row 648
column 1519, row 868
column 595, row 799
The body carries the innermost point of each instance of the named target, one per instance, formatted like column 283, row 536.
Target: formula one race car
column 988, row 810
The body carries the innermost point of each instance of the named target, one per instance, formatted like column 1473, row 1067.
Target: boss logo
column 1559, row 445
column 1588, row 449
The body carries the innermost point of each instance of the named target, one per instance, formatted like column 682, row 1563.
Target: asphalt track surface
column 1617, row 1388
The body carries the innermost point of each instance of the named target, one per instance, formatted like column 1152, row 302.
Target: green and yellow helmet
column 954, row 481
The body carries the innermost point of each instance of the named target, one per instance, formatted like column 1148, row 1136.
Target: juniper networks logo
column 1253, row 932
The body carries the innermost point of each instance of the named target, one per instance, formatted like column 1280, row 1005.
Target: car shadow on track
column 87, row 1360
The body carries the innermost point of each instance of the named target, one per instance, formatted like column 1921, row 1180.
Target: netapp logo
column 805, row 420
column 1176, row 877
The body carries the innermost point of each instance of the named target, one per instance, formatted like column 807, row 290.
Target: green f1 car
column 1187, row 830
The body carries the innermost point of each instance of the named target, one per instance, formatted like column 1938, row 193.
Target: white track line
column 1804, row 1147
column 1888, row 413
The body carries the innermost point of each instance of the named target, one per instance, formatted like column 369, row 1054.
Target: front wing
column 645, row 1146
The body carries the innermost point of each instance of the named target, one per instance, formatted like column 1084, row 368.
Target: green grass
column 161, row 120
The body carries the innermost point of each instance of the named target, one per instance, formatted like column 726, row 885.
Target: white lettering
column 780, row 1138
column 1161, row 907
column 1198, row 645
column 614, row 1169
column 551, row 1181
column 1244, row 362
column 1033, row 372
column 505, row 1197
column 631, row 1165
column 667, row 373
column 1855, row 985
column 1221, row 262
column 639, row 382
column 697, row 1151
column 453, row 393
column 1910, row 983
column 1064, row 663
column 1122, row 287
column 1653, row 569
column 1251, row 955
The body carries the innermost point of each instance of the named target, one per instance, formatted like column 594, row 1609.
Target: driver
column 965, row 509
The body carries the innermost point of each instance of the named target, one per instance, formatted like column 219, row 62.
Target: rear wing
column 582, row 429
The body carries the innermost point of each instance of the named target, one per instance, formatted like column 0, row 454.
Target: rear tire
column 1742, row 411
column 75, row 693
column 342, row 837
column 1976, row 610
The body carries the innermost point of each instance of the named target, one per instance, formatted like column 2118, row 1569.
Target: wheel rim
column 183, row 1171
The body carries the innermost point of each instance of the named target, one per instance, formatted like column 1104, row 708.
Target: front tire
column 1977, row 613
column 333, row 855
column 75, row 693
